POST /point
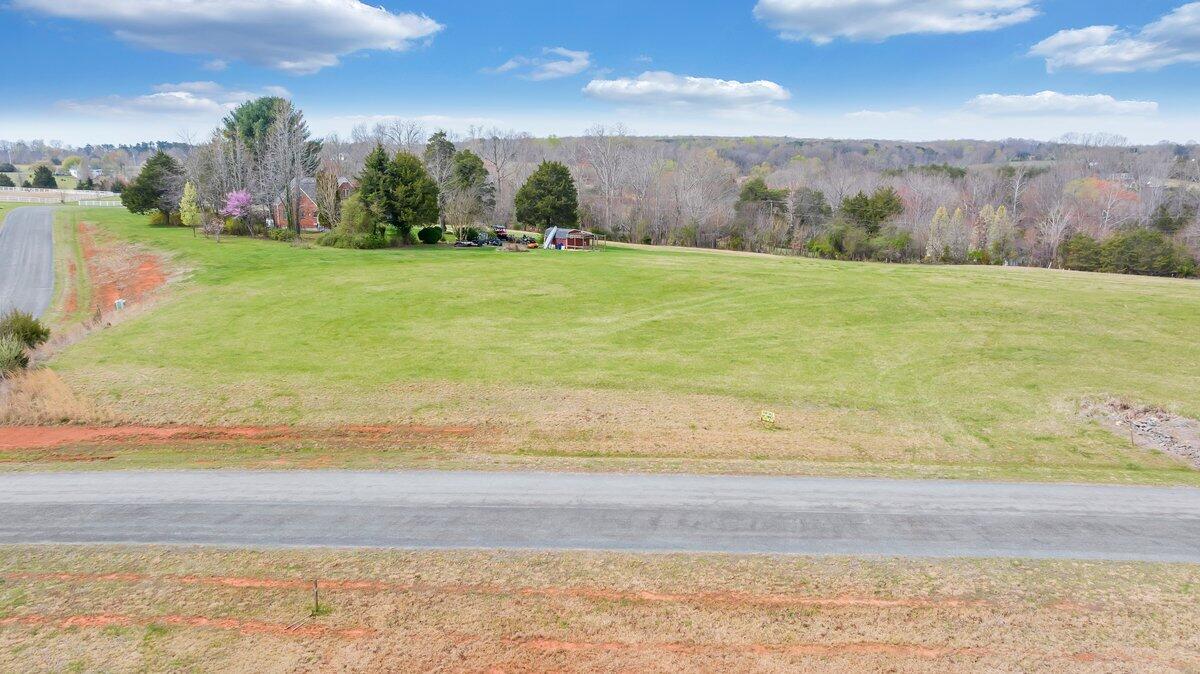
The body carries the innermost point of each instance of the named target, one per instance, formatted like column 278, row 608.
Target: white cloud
column 1054, row 103
column 190, row 100
column 297, row 36
column 554, row 63
column 822, row 21
column 1172, row 39
column 660, row 87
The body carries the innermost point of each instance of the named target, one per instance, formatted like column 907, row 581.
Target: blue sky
column 898, row 69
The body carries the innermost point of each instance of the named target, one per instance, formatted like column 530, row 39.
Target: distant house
column 310, row 220
column 96, row 173
column 566, row 238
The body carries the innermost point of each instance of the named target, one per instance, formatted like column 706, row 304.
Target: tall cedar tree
column 43, row 177
column 157, row 187
column 469, row 175
column 251, row 121
column 548, row 198
column 414, row 201
column 374, row 189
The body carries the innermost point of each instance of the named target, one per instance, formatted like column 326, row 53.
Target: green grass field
column 863, row 363
column 64, row 182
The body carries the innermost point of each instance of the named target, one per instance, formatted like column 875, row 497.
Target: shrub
column 979, row 257
column 1082, row 253
column 12, row 355
column 430, row 235
column 890, row 245
column 822, row 246
column 342, row 239
column 158, row 219
column 5, row 181
column 282, row 234
column 468, row 234
column 24, row 328
column 356, row 217
column 1147, row 252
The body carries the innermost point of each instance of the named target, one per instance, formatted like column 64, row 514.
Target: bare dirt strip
column 44, row 437
column 117, row 270
column 104, row 608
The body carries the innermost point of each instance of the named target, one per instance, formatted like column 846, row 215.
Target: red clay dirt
column 71, row 303
column 233, row 624
column 117, row 272
column 44, row 437
column 860, row 648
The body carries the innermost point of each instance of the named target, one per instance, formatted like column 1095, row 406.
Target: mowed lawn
column 957, row 364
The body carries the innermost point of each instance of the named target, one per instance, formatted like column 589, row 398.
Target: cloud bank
column 822, row 21
column 1172, row 39
column 295, row 36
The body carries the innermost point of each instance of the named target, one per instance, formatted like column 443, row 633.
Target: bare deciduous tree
column 605, row 151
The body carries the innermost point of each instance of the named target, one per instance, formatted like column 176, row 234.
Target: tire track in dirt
column 101, row 620
column 857, row 649
column 589, row 593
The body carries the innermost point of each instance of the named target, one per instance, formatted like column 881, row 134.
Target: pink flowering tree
column 237, row 205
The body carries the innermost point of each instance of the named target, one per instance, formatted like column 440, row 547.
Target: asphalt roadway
column 603, row 511
column 27, row 259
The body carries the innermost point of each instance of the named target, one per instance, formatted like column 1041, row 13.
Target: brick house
column 309, row 219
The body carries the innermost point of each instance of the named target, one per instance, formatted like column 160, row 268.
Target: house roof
column 564, row 232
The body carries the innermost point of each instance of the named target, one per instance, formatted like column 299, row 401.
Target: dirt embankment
column 118, row 270
column 114, row 271
column 1149, row 427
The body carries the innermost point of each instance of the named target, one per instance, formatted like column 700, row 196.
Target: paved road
column 27, row 259
column 621, row 512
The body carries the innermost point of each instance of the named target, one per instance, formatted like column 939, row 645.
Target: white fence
column 63, row 193
column 99, row 203
column 29, row 200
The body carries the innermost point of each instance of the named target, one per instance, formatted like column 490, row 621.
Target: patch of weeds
column 153, row 631
column 114, row 631
column 77, row 666
column 11, row 599
column 320, row 610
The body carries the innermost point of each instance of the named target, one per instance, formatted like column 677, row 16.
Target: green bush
column 1082, row 253
column 430, row 235
column 343, row 239
column 356, row 217
column 822, row 246
column 1138, row 251
column 891, row 245
column 468, row 234
column 24, row 328
column 12, row 355
column 282, row 234
column 979, row 257
column 157, row 219
column 1146, row 252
